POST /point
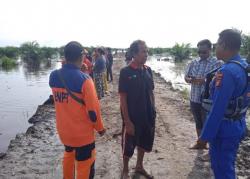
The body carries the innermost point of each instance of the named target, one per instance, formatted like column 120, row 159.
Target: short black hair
column 73, row 51
column 100, row 50
column 134, row 47
column 231, row 39
column 109, row 49
column 128, row 56
column 205, row 42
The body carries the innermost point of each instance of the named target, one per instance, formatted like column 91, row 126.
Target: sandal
column 198, row 146
column 144, row 173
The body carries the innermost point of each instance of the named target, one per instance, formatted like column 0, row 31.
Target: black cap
column 73, row 51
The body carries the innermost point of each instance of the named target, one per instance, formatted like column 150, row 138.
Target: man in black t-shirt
column 137, row 108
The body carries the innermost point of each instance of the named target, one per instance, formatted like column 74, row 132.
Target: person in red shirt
column 77, row 114
column 87, row 63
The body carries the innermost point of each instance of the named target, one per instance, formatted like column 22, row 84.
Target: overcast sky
column 116, row 23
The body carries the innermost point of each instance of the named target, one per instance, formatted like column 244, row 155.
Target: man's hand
column 130, row 128
column 101, row 133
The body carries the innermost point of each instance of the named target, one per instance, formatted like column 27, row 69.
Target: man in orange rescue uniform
column 77, row 114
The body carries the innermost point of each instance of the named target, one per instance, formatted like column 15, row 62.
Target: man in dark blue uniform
column 225, row 131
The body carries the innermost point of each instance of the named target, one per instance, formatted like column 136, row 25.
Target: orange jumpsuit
column 75, row 122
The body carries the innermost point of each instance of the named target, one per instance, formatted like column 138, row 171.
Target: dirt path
column 38, row 153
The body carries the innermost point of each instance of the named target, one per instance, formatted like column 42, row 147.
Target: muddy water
column 170, row 71
column 173, row 72
column 22, row 89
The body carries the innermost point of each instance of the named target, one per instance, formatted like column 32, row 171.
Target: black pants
column 199, row 114
column 109, row 73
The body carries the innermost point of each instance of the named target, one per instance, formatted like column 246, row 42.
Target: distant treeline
column 28, row 51
column 32, row 52
column 184, row 51
column 178, row 51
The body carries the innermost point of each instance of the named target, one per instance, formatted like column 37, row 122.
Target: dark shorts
column 198, row 113
column 144, row 138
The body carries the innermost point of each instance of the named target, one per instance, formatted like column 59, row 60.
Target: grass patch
column 7, row 62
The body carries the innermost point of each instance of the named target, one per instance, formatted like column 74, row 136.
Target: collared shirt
column 229, row 83
column 199, row 68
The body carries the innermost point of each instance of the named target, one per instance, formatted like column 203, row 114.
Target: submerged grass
column 7, row 62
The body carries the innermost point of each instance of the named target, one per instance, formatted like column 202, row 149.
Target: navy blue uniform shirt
column 229, row 83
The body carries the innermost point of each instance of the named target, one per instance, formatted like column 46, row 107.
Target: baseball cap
column 73, row 51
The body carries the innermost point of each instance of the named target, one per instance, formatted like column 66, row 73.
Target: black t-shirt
column 138, row 84
column 110, row 59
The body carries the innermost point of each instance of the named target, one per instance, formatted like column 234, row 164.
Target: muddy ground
column 38, row 152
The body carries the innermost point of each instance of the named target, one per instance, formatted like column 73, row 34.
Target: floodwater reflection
column 22, row 89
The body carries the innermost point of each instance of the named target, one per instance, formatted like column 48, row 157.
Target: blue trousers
column 223, row 153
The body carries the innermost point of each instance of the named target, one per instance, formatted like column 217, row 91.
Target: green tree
column 158, row 50
column 245, row 48
column 30, row 51
column 7, row 62
column 48, row 52
column 10, row 52
column 181, row 51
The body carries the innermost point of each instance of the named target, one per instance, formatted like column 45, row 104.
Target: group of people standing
column 98, row 66
column 78, row 110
